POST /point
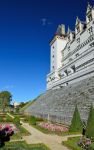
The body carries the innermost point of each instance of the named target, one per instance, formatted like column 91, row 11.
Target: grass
column 23, row 146
column 22, row 132
column 91, row 147
column 72, row 143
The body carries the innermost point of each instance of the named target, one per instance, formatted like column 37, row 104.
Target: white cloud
column 9, row 87
column 45, row 22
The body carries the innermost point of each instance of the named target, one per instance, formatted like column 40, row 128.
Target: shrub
column 91, row 147
column 76, row 123
column 16, row 120
column 8, row 118
column 32, row 120
column 90, row 124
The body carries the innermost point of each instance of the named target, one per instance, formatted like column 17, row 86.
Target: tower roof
column 89, row 7
column 77, row 20
column 61, row 30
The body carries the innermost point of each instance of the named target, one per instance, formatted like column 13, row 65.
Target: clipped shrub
column 76, row 123
column 90, row 124
column 32, row 120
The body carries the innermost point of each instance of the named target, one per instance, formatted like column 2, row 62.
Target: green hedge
column 23, row 145
column 76, row 123
column 90, row 124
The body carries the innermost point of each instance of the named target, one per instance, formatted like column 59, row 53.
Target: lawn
column 72, row 143
column 22, row 132
column 23, row 146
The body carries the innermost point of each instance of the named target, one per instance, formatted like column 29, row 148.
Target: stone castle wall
column 58, row 105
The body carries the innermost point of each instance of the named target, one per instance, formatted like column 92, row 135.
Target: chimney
column 61, row 30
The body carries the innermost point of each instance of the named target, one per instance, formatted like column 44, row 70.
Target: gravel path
column 52, row 141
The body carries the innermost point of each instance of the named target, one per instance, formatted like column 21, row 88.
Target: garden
column 46, row 127
column 22, row 145
column 7, row 121
column 86, row 141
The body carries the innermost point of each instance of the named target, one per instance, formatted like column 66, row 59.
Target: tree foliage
column 76, row 123
column 90, row 124
column 5, row 98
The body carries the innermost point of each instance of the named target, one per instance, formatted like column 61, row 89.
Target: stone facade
column 58, row 105
column 72, row 53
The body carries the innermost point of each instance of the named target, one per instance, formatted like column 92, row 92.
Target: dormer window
column 90, row 18
column 89, row 13
column 78, row 29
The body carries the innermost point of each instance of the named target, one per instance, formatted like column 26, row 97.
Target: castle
column 72, row 61
column 72, row 53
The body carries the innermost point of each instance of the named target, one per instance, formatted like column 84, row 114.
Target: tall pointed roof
column 68, row 30
column 89, row 7
column 77, row 20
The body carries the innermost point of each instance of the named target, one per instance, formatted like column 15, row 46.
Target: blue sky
column 26, row 28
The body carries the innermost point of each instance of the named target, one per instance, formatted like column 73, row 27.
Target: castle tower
column 57, row 45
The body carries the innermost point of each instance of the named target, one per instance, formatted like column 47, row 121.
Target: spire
column 68, row 30
column 89, row 7
column 77, row 20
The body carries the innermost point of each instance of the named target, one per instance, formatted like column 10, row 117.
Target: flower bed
column 53, row 127
column 12, row 126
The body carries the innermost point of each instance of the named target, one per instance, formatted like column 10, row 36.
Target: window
column 77, row 55
column 68, row 48
column 90, row 17
column 90, row 30
column 78, row 40
column 74, row 69
column 66, row 72
column 92, row 44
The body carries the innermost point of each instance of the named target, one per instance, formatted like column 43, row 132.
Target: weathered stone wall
column 58, row 105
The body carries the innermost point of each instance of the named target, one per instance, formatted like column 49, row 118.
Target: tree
column 76, row 123
column 90, row 124
column 6, row 98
